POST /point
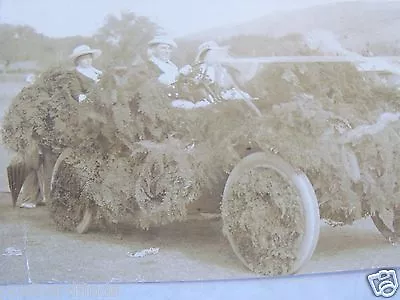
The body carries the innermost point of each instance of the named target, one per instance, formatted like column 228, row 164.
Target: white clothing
column 169, row 69
column 235, row 94
column 185, row 104
column 81, row 98
column 218, row 74
column 90, row 72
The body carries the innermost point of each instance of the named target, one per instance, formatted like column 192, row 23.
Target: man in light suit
column 159, row 60
column 160, row 66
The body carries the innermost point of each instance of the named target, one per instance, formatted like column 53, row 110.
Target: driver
column 216, row 79
column 223, row 78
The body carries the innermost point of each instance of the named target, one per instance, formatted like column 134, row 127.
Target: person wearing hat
column 167, row 73
column 87, row 75
column 223, row 79
column 160, row 67
column 159, row 53
column 36, row 186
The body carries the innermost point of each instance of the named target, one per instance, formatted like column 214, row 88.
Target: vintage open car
column 271, row 171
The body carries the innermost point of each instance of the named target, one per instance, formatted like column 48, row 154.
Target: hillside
column 354, row 23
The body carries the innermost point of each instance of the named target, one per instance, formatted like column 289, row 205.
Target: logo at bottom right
column 384, row 283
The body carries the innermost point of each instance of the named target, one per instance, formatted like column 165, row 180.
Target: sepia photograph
column 158, row 141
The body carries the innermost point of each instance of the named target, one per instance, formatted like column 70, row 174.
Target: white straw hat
column 162, row 39
column 83, row 50
column 210, row 45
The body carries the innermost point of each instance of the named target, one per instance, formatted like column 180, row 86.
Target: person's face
column 163, row 52
column 85, row 61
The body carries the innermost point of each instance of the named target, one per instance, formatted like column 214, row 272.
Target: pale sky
column 59, row 18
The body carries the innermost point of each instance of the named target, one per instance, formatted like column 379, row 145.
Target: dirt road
column 190, row 251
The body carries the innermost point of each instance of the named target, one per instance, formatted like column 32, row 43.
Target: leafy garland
column 302, row 106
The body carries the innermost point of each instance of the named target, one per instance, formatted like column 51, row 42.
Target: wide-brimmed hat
column 83, row 50
column 206, row 46
column 163, row 39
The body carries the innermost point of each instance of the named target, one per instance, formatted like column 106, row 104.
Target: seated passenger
column 217, row 80
column 87, row 75
column 160, row 67
column 159, row 60
column 36, row 186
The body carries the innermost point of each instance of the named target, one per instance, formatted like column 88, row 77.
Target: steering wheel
column 195, row 77
column 196, row 81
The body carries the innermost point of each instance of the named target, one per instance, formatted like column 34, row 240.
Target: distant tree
column 21, row 43
column 123, row 38
column 9, row 43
